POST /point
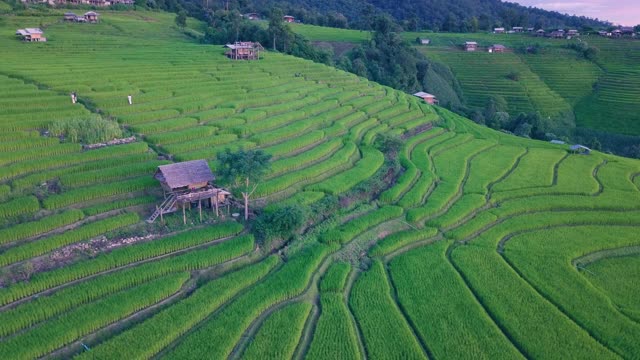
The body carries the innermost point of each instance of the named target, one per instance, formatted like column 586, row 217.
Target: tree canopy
column 235, row 167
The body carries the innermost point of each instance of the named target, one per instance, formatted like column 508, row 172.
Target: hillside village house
column 69, row 16
column 252, row 16
column 518, row 29
column 580, row 149
column 91, row 16
column 288, row 18
column 31, row 35
column 244, row 50
column 539, row 32
column 573, row 32
column 497, row 48
column 425, row 41
column 626, row 30
column 530, row 29
column 558, row 34
column 498, row 30
column 470, row 46
column 428, row 98
column 186, row 183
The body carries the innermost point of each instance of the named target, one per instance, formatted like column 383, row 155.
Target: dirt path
column 109, row 271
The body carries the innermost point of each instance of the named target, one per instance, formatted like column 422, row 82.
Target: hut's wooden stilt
column 184, row 215
column 217, row 207
column 200, row 209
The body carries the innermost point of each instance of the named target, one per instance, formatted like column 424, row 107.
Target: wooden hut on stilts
column 187, row 183
column 244, row 50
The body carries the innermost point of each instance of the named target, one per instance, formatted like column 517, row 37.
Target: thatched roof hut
column 186, row 175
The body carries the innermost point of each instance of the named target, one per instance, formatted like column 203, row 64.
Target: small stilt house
column 580, row 149
column 470, row 46
column 288, row 18
column 91, row 16
column 497, row 48
column 31, row 34
column 69, row 16
column 244, row 50
column 186, row 183
column 428, row 98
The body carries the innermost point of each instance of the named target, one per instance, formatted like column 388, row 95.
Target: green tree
column 278, row 30
column 474, row 24
column 523, row 129
column 282, row 222
column 181, row 19
column 243, row 170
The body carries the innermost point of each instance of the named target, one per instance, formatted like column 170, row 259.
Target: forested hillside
column 442, row 15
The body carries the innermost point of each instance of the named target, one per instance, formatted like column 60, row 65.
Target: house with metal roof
column 31, row 34
column 428, row 98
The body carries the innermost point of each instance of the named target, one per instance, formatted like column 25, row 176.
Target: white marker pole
column 129, row 98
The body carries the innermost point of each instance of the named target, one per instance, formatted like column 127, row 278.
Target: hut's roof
column 498, row 46
column 471, row 43
column 91, row 13
column 28, row 31
column 579, row 147
column 245, row 45
column 184, row 173
column 423, row 94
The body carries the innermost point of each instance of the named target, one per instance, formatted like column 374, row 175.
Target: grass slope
column 480, row 225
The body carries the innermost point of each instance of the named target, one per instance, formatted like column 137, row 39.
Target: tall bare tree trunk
column 246, row 205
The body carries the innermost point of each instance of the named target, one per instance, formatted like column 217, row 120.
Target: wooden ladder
column 164, row 208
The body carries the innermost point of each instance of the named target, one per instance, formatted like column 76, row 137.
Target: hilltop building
column 470, row 46
column 626, row 30
column 288, row 18
column 186, row 183
column 428, row 98
column 558, row 34
column 244, row 50
column 580, row 149
column 497, row 48
column 31, row 34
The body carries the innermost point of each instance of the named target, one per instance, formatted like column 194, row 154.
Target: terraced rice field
column 613, row 106
column 478, row 226
column 483, row 74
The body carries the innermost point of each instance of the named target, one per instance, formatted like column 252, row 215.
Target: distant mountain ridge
column 440, row 15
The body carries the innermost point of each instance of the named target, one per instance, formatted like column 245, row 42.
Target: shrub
column 88, row 130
